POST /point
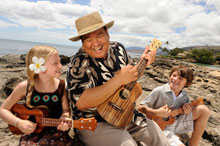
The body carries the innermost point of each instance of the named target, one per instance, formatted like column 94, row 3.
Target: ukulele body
column 118, row 110
column 162, row 123
column 33, row 115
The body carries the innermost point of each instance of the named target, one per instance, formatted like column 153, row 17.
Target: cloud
column 4, row 24
column 180, row 22
column 163, row 18
column 42, row 14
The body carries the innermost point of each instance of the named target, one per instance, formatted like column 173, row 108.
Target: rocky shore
column 205, row 85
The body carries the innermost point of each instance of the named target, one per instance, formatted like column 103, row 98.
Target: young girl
column 42, row 89
column 171, row 96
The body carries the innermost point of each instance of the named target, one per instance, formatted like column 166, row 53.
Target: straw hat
column 89, row 23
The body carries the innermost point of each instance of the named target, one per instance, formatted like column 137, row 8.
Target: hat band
column 88, row 29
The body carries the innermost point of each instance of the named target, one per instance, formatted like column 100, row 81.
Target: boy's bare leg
column 200, row 116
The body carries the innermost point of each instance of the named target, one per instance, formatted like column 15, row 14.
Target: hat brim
column 107, row 25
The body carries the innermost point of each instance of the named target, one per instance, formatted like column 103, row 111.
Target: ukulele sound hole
column 166, row 119
column 32, row 119
column 121, row 95
column 124, row 94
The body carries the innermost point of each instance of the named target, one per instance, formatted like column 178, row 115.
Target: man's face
column 96, row 43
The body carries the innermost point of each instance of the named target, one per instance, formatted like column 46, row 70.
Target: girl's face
column 177, row 82
column 53, row 66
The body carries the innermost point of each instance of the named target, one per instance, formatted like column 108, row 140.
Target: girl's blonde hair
column 40, row 51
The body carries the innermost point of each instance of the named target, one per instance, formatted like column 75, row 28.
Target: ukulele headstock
column 155, row 44
column 198, row 101
column 85, row 124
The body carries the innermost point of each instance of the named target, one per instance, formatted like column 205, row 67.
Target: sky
column 181, row 23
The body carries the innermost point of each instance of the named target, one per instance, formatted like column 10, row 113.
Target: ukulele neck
column 49, row 122
column 180, row 110
column 140, row 68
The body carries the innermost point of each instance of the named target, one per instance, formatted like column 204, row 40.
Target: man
column 97, row 70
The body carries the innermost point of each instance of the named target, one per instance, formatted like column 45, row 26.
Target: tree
column 217, row 57
column 167, row 44
column 175, row 51
column 202, row 56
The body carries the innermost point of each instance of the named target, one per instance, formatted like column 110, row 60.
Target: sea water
column 22, row 47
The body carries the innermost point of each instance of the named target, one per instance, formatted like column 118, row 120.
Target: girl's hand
column 164, row 111
column 26, row 127
column 63, row 125
column 187, row 108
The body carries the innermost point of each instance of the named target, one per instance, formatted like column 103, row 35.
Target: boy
column 171, row 96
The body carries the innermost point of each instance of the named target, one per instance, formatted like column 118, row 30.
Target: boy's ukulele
column 162, row 122
column 118, row 109
column 38, row 116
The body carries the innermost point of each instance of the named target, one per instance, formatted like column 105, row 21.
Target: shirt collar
column 167, row 88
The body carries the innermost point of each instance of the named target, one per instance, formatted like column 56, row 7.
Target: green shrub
column 217, row 58
column 175, row 51
column 202, row 56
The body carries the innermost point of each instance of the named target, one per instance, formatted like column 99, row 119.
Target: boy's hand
column 164, row 111
column 187, row 108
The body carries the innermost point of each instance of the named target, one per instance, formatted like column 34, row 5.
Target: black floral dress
column 50, row 135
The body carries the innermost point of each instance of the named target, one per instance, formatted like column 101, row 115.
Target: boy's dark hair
column 184, row 72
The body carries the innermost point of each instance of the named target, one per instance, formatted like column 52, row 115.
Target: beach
column 205, row 85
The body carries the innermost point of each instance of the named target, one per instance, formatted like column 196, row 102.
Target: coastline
column 205, row 85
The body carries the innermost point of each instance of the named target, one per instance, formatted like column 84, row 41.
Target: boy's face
column 177, row 82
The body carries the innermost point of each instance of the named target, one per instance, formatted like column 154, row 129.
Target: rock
column 205, row 85
column 214, row 75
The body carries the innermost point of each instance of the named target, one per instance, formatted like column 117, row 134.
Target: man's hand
column 127, row 74
column 149, row 55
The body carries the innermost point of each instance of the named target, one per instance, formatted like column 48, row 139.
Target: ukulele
column 163, row 122
column 118, row 108
column 38, row 115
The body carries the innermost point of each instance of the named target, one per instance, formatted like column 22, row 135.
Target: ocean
column 22, row 47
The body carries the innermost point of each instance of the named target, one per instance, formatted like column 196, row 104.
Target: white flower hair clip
column 37, row 65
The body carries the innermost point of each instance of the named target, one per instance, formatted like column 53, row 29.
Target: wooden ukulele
column 39, row 115
column 118, row 109
column 163, row 122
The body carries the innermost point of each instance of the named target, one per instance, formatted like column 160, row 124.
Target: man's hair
column 184, row 72
column 81, row 37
